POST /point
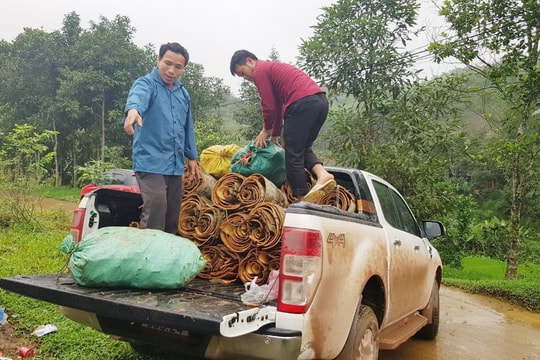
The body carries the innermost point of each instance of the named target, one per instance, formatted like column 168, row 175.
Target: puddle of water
column 476, row 327
column 511, row 312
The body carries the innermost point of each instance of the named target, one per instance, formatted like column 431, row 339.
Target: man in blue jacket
column 158, row 115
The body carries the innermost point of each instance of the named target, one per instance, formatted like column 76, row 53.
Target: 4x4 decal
column 336, row 239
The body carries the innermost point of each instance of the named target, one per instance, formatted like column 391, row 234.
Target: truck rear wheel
column 431, row 330
column 363, row 340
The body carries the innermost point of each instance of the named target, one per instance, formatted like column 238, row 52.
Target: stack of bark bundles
column 237, row 225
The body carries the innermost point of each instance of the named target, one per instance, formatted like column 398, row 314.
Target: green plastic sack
column 268, row 161
column 131, row 257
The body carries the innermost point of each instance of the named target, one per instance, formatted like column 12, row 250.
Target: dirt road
column 476, row 327
column 53, row 204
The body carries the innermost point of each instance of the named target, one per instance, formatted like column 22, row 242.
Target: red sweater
column 279, row 85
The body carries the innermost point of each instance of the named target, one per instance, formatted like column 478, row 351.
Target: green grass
column 61, row 192
column 486, row 276
column 27, row 249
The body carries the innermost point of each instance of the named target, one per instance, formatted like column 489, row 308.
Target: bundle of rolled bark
column 237, row 225
column 237, row 222
column 340, row 198
column 287, row 190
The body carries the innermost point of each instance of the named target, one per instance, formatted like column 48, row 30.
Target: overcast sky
column 211, row 30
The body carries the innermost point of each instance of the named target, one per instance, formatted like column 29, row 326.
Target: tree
column 499, row 40
column 75, row 82
column 417, row 143
column 69, row 81
column 29, row 80
column 30, row 71
column 357, row 50
column 103, row 62
column 207, row 93
column 24, row 153
column 390, row 122
column 249, row 112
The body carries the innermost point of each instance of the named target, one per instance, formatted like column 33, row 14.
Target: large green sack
column 268, row 161
column 131, row 257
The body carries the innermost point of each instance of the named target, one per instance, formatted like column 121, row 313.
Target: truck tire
column 431, row 330
column 363, row 340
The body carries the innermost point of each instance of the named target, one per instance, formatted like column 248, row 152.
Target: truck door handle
column 397, row 242
column 417, row 247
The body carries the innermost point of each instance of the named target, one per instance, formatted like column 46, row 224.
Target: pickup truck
column 350, row 283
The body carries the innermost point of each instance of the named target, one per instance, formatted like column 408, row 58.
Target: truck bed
column 201, row 306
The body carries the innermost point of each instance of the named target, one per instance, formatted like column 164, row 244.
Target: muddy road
column 474, row 327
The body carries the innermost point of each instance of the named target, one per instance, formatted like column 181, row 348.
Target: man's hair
column 175, row 48
column 239, row 58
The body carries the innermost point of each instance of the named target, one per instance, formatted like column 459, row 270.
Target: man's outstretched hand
column 132, row 118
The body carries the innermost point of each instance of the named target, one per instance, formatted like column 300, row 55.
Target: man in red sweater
column 291, row 101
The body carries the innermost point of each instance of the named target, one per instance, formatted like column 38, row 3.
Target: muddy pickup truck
column 350, row 283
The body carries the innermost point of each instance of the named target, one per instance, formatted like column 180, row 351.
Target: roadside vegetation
column 32, row 248
column 485, row 276
column 29, row 248
column 67, row 193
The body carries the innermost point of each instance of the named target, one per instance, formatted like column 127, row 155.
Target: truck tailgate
column 201, row 306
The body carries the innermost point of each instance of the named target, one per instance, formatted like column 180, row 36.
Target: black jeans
column 302, row 122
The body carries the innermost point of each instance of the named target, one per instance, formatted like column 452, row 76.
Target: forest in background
column 462, row 147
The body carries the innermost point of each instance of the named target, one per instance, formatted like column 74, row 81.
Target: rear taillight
column 77, row 224
column 300, row 270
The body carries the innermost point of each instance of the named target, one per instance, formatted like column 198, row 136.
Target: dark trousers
column 302, row 122
column 162, row 198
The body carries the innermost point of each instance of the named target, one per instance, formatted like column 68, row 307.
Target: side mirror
column 432, row 229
